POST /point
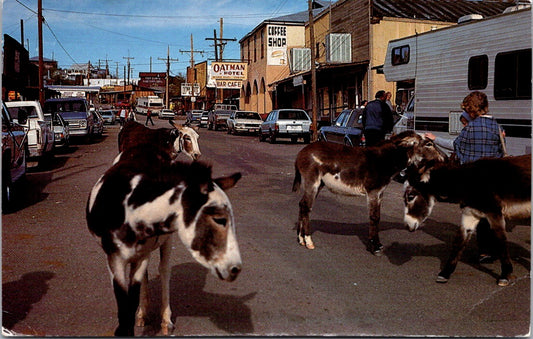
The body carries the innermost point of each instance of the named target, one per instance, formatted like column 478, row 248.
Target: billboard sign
column 276, row 45
column 229, row 70
column 229, row 84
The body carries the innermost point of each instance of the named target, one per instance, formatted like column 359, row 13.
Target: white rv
column 437, row 69
column 152, row 102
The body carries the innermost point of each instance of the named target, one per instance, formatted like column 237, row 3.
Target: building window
column 400, row 55
column 262, row 44
column 512, row 75
column 478, row 69
column 248, row 60
column 255, row 48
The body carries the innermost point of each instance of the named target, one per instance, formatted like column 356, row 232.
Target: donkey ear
column 228, row 182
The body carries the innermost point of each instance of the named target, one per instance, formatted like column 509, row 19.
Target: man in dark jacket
column 377, row 120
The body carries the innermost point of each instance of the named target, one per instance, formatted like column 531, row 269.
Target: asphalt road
column 55, row 280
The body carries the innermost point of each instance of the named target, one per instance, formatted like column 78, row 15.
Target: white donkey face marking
column 211, row 237
column 187, row 141
column 418, row 207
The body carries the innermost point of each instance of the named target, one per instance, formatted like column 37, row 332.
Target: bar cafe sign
column 229, row 70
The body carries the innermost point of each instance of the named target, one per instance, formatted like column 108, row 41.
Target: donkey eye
column 221, row 221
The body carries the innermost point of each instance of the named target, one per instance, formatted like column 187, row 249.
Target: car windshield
column 247, row 115
column 14, row 111
column 64, row 106
column 292, row 115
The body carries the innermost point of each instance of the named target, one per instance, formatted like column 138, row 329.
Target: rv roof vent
column 469, row 17
column 517, row 7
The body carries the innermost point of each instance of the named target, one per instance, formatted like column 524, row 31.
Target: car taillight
column 276, row 127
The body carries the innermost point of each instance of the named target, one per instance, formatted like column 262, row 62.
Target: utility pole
column 219, row 46
column 128, row 58
column 314, row 95
column 167, row 76
column 41, row 61
column 193, row 71
column 22, row 32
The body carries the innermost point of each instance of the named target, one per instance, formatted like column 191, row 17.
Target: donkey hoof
column 310, row 246
column 506, row 281
column 166, row 329
column 441, row 279
column 503, row 282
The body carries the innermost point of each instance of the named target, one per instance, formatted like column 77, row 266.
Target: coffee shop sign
column 228, row 70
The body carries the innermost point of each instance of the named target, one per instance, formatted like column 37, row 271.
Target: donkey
column 355, row 171
column 494, row 189
column 137, row 205
column 174, row 140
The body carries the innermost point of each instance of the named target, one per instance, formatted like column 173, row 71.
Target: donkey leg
column 468, row 225
column 374, row 199
column 164, row 272
column 142, row 312
column 497, row 223
column 127, row 295
column 306, row 206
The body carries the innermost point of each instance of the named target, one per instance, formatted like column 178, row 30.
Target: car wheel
column 307, row 139
column 272, row 138
column 261, row 137
column 7, row 186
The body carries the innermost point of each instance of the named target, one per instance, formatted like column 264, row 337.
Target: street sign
column 186, row 89
column 196, row 89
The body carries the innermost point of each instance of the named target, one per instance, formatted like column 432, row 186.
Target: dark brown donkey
column 494, row 189
column 356, row 171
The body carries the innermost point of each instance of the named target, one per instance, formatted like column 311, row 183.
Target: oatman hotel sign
column 228, row 74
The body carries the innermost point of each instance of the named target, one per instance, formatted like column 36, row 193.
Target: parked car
column 217, row 119
column 244, row 122
column 61, row 130
column 40, row 132
column 76, row 112
column 98, row 128
column 347, row 128
column 109, row 116
column 166, row 114
column 193, row 117
column 204, row 119
column 286, row 123
column 14, row 151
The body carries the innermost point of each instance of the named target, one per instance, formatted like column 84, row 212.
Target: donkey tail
column 297, row 180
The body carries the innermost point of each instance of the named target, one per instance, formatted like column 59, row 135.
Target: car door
column 335, row 133
column 13, row 144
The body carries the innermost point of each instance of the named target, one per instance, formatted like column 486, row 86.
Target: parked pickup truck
column 14, row 149
column 76, row 112
column 218, row 118
column 40, row 131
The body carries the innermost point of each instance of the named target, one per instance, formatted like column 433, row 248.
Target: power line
column 59, row 42
column 207, row 17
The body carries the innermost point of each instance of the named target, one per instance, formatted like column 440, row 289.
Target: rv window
column 478, row 69
column 512, row 75
column 400, row 55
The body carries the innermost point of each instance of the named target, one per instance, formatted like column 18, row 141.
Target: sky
column 98, row 30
